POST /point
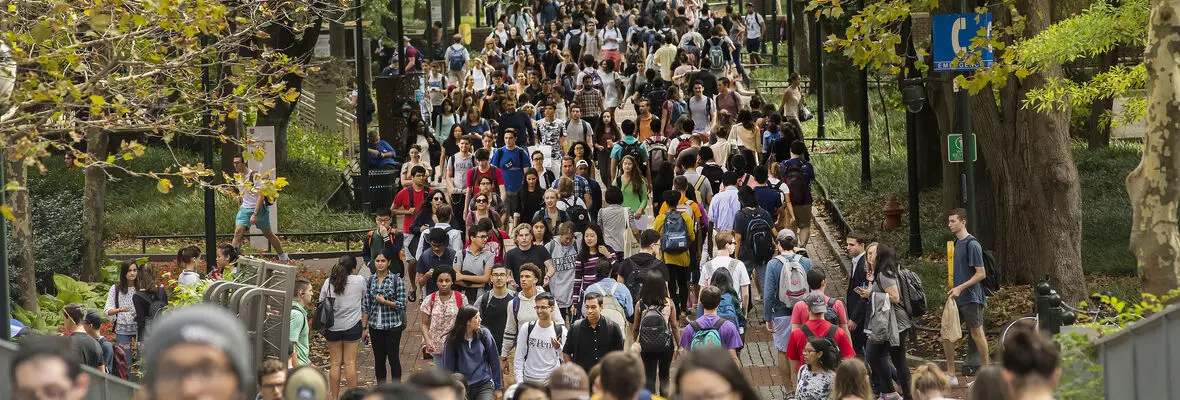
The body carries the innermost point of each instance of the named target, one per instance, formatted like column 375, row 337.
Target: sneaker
column 954, row 381
column 284, row 257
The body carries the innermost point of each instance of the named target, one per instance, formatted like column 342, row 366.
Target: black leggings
column 879, row 356
column 652, row 361
column 678, row 285
column 386, row 343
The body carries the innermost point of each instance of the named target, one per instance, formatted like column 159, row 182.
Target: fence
column 260, row 295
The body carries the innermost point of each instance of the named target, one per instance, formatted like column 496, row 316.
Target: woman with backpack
column 467, row 348
column 632, row 182
column 817, row 375
column 592, row 249
column 653, row 331
column 439, row 310
column 347, row 290
column 673, row 109
column 150, row 298
column 384, row 315
column 730, row 307
column 887, row 340
column 551, row 214
column 120, row 306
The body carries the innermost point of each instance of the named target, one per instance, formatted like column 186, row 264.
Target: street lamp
column 913, row 95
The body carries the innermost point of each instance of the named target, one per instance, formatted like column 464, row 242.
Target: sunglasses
column 481, row 200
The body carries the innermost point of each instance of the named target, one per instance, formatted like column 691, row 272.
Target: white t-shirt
column 738, row 273
column 610, row 89
column 347, row 304
column 754, row 25
column 542, row 357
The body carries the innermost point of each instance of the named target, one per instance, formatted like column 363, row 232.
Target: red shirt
column 474, row 174
column 405, row 200
column 819, row 327
column 799, row 314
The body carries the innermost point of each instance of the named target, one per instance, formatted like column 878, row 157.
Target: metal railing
column 349, row 235
column 102, row 386
column 261, row 297
column 344, row 122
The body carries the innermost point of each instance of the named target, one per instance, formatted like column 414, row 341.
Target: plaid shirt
column 381, row 316
column 590, row 101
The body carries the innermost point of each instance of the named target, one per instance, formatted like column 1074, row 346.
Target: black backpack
column 714, row 174
column 635, row 150
column 578, row 215
column 797, row 182
column 991, row 282
column 759, row 236
column 634, row 280
column 913, row 294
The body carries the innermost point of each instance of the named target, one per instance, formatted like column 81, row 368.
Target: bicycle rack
column 261, row 298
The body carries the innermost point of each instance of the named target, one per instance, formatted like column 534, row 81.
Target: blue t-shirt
column 769, row 199
column 512, row 164
column 378, row 162
column 968, row 255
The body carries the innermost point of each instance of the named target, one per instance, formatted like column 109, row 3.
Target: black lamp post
column 913, row 94
column 362, row 102
column 207, row 149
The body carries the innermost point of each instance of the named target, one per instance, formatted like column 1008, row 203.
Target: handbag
column 325, row 314
column 805, row 113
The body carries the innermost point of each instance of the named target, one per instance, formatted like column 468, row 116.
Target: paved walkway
column 760, row 362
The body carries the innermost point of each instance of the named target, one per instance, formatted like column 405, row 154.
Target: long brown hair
column 638, row 183
column 852, row 379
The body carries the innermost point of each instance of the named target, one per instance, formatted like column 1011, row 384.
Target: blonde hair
column 723, row 238
column 852, row 379
column 928, row 378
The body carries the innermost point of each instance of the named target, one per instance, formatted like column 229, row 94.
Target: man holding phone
column 855, row 244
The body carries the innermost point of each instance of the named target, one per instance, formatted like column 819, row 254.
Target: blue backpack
column 728, row 310
column 675, row 232
column 455, row 59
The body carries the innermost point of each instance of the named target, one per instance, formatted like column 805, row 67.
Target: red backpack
column 121, row 363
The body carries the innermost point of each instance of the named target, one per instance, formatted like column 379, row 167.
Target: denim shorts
column 243, row 218
column 348, row 335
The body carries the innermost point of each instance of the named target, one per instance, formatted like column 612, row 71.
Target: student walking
column 539, row 344
column 121, row 308
column 969, row 271
column 348, row 291
column 888, row 322
column 384, row 317
column 470, row 350
column 439, row 311
column 653, row 331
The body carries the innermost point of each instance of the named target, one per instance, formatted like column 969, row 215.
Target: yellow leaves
column 96, row 103
column 12, row 8
column 5, row 210
column 163, row 185
column 100, row 22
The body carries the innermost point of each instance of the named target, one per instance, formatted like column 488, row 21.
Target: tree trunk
column 94, row 205
column 1098, row 137
column 22, row 234
column 1154, row 194
column 801, row 27
column 1036, row 192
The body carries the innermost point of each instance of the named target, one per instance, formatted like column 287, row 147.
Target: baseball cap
column 786, row 233
column 816, row 303
column 92, row 318
column 569, row 382
column 306, row 383
column 583, row 163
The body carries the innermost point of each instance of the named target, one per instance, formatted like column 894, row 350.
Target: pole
column 207, row 149
column 775, row 27
column 429, row 34
column 362, row 102
column 790, row 37
column 5, row 307
column 401, row 35
column 866, row 178
column 458, row 19
column 911, row 147
column 818, row 71
column 964, row 103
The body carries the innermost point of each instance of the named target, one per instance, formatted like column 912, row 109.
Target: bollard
column 1051, row 313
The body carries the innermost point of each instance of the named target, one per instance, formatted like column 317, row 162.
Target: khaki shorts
column 802, row 215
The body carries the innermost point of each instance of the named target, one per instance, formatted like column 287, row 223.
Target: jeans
column 662, row 361
column 482, row 391
column 386, row 343
column 678, row 285
column 879, row 356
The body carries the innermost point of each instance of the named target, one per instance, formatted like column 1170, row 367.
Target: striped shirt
column 586, row 274
column 381, row 316
column 724, row 206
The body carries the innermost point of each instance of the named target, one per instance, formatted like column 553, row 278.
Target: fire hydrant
column 893, row 211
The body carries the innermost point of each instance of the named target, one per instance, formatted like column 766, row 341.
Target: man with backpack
column 753, row 230
column 718, row 52
column 111, row 358
column 511, row 161
column 629, row 146
column 379, row 238
column 494, row 304
column 523, row 310
column 633, row 269
column 439, row 257
column 539, row 343
column 816, row 326
column 592, row 337
column 714, row 173
column 723, row 258
column 798, row 173
column 702, row 109
column 970, row 270
column 677, row 231
column 710, row 329
column 456, row 58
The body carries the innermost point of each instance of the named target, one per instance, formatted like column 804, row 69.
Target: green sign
column 954, row 145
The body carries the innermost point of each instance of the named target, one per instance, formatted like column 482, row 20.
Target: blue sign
column 952, row 34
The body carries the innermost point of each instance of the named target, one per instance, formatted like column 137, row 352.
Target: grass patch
column 134, row 207
column 1106, row 207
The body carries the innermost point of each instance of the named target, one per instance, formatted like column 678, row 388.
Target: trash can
column 383, row 184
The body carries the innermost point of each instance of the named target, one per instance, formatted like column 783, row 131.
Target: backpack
column 728, row 309
column 634, row 280
column 717, row 54
column 684, row 140
column 635, row 150
column 714, row 173
column 675, row 233
column 529, row 333
column 656, row 94
column 830, row 335
column 578, row 214
column 913, row 295
column 690, row 47
column 655, row 336
column 792, row 281
column 611, row 309
column 703, row 337
column 575, row 42
column 455, row 60
column 760, row 236
column 458, row 299
column 991, row 282
column 796, row 182
column 677, row 110
column 657, row 152
column 660, row 11
column 156, row 304
column 121, row 362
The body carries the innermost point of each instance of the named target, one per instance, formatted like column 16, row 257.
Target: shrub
column 57, row 233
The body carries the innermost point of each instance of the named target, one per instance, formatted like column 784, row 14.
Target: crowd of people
column 590, row 196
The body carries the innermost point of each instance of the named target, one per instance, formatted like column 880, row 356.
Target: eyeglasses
column 481, row 200
column 437, row 199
